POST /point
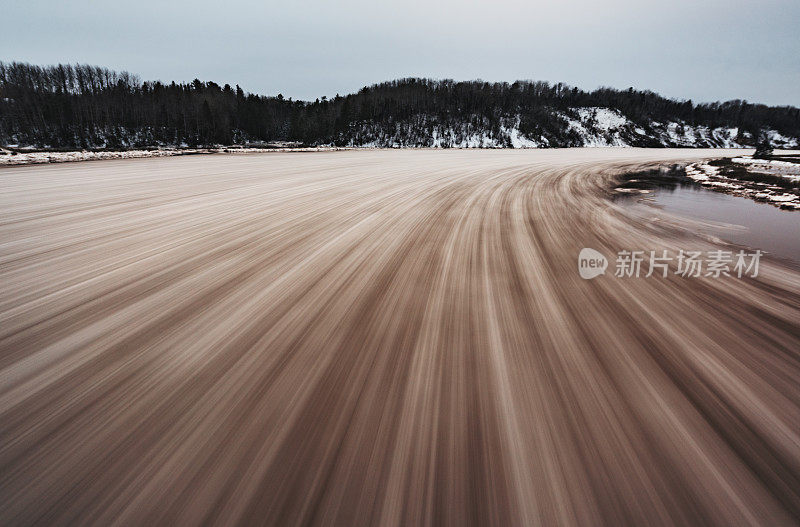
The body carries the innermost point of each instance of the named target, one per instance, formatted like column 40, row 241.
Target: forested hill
column 80, row 106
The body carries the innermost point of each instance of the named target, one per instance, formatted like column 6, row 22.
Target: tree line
column 82, row 106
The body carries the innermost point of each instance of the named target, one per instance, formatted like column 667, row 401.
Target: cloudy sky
column 705, row 50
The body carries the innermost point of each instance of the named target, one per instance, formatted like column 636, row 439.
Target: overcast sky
column 705, row 50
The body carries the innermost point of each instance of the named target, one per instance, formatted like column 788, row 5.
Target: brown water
column 743, row 221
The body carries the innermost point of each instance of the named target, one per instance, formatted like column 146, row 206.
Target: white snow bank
column 31, row 158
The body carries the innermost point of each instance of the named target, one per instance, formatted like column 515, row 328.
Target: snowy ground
column 32, row 158
column 784, row 169
column 770, row 189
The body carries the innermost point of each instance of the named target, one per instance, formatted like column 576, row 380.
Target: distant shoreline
column 30, row 156
column 38, row 157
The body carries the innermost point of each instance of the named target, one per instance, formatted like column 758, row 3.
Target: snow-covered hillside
column 47, row 108
column 590, row 127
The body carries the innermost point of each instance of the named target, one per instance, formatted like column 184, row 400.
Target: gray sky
column 705, row 50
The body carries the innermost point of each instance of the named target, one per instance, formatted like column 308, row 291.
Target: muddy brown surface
column 380, row 338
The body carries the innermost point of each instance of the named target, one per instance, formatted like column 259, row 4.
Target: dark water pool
column 753, row 224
